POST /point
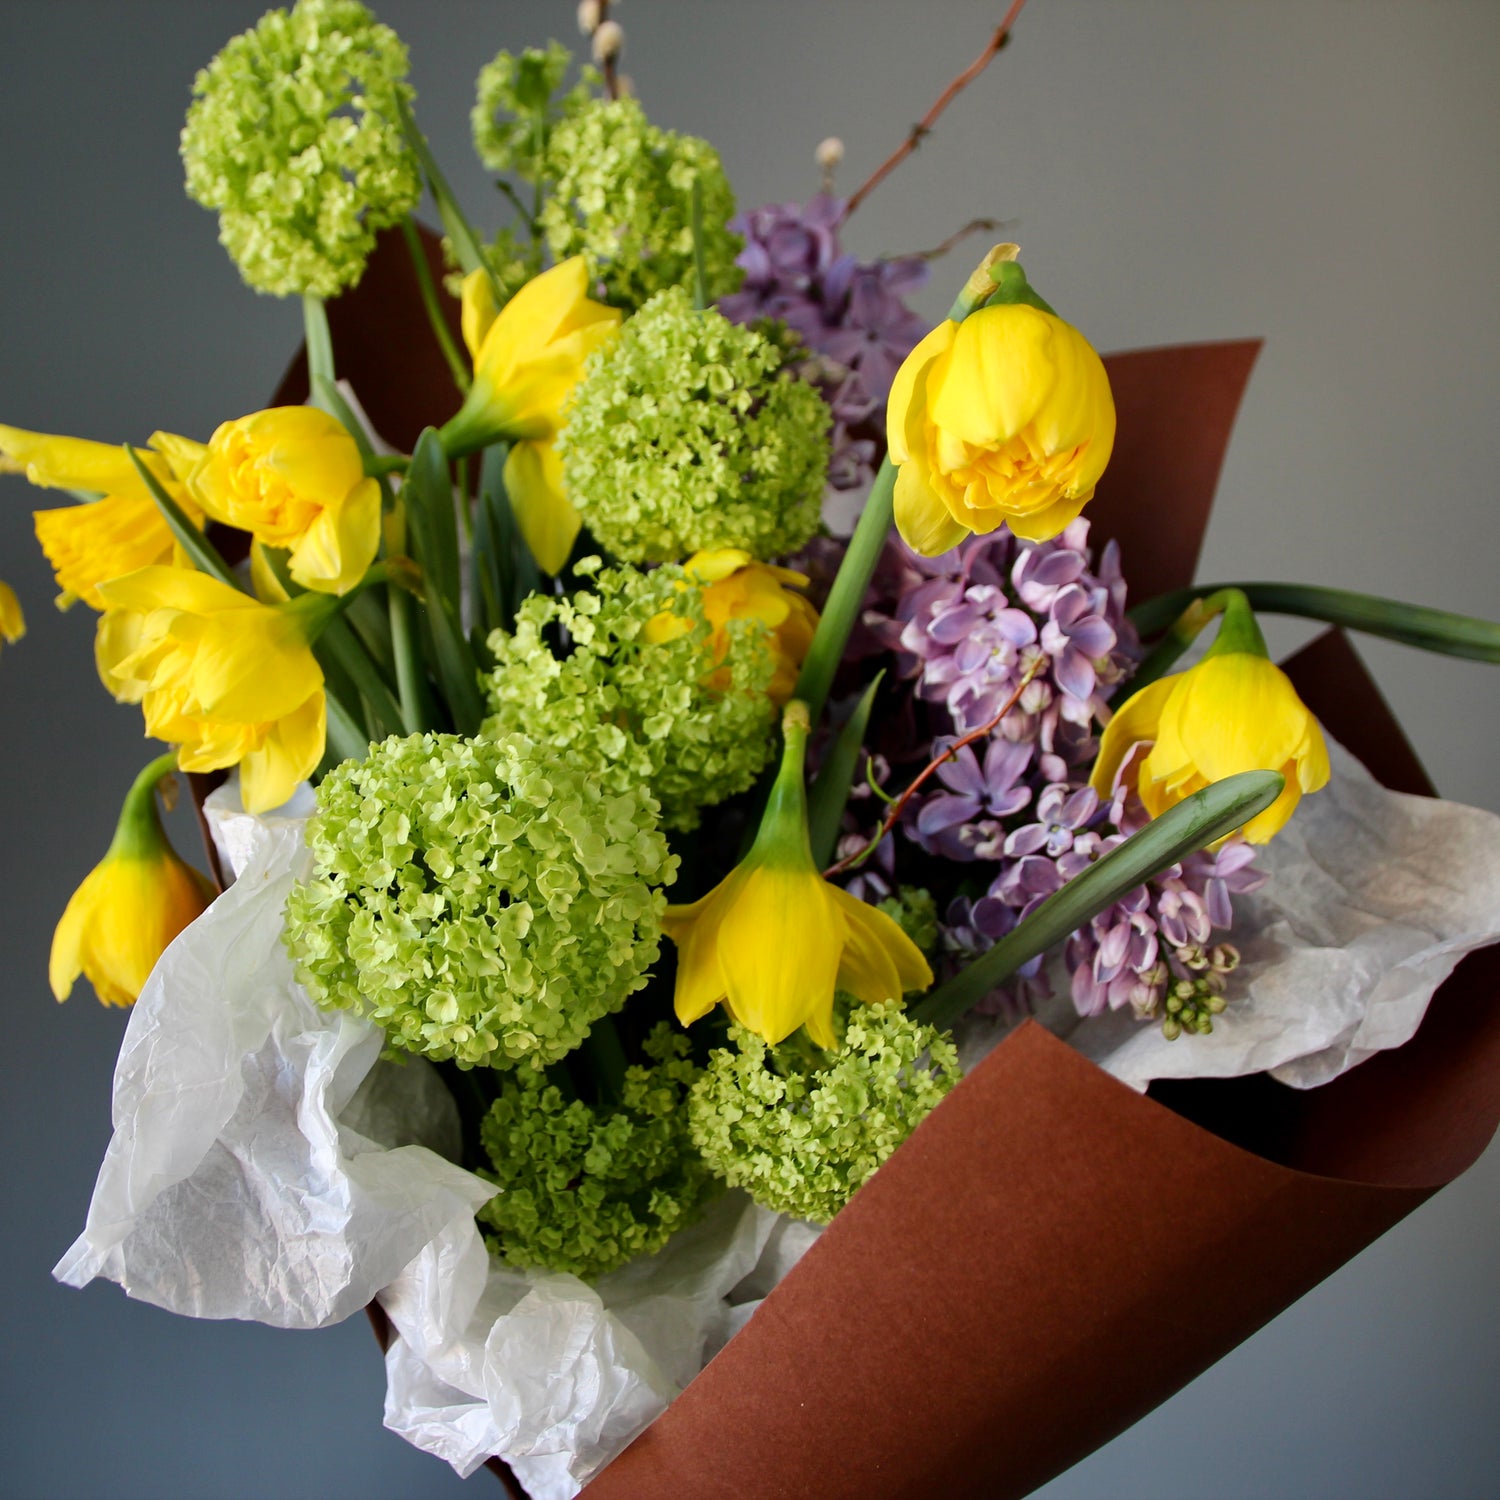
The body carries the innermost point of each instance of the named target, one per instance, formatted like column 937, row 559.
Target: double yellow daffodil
column 736, row 587
column 229, row 680
column 1004, row 417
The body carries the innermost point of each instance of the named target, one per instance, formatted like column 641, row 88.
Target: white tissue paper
column 266, row 1165
column 1373, row 898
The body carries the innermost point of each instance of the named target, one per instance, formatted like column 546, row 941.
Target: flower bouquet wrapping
column 619, row 851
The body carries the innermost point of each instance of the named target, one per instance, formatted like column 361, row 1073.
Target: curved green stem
column 1436, row 630
column 428, row 288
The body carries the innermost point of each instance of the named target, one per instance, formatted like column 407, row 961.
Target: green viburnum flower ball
column 586, row 1189
column 622, row 195
column 480, row 901
column 514, row 111
column 632, row 696
column 294, row 136
column 802, row 1136
column 687, row 433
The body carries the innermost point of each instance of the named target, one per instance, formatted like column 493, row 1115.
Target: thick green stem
column 319, row 343
column 139, row 834
column 1412, row 624
column 428, row 288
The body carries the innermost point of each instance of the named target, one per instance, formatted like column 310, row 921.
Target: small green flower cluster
column 914, row 911
column 628, row 698
column 687, row 433
column 479, row 900
column 294, row 136
column 800, row 1135
column 622, row 195
column 514, row 110
column 585, row 1189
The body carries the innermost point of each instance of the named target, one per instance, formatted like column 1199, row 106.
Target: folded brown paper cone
column 1007, row 1293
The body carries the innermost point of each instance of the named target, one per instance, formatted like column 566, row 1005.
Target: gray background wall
column 1319, row 173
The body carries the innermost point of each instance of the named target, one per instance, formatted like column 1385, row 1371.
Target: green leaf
column 1192, row 824
column 1436, row 630
column 319, row 342
column 204, row 554
column 830, row 788
column 428, row 492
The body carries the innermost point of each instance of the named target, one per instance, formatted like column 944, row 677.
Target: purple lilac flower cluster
column 849, row 313
column 998, row 619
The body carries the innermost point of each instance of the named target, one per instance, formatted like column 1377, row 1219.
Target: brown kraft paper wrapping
column 1003, row 1297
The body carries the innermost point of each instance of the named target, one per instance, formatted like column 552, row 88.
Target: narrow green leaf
column 428, row 492
column 1436, row 630
column 1192, row 825
column 347, row 740
column 204, row 554
column 830, row 788
column 440, row 330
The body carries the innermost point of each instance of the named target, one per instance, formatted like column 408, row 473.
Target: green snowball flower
column 689, row 433
column 800, row 1133
column 294, row 136
column 622, row 195
column 479, row 900
column 631, row 694
column 514, row 110
column 584, row 1188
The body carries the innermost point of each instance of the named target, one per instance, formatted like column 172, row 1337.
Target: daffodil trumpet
column 773, row 941
column 1234, row 711
column 131, row 905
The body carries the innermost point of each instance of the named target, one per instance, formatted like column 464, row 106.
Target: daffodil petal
column 534, row 482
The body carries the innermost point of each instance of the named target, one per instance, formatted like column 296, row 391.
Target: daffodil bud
column 12, row 621
column 130, row 905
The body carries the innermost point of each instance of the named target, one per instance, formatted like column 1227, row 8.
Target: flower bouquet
column 624, row 864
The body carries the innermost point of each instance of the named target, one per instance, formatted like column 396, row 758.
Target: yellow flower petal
column 12, row 620
column 91, row 544
column 289, row 754
column 1135, row 722
column 534, row 483
column 477, row 304
column 336, row 551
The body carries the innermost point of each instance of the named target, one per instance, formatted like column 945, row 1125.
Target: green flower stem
column 428, row 288
column 466, row 244
column 204, row 554
column 138, row 834
column 830, row 789
column 701, row 298
column 868, row 541
column 1192, row 824
column 1436, row 630
column 319, row 342
column 1239, row 632
column 848, row 592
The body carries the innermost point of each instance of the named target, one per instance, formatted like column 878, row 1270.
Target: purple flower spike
column 987, row 794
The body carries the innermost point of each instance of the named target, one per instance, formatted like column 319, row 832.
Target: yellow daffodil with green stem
column 131, row 905
column 115, row 534
column 773, row 940
column 527, row 357
column 1235, row 710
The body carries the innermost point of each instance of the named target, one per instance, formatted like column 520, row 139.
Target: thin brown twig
column 924, row 126
column 611, row 63
column 893, row 813
column 974, row 226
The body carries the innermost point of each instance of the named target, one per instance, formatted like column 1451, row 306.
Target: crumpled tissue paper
column 266, row 1165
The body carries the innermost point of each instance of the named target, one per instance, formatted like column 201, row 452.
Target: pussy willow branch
column 893, row 813
column 924, row 126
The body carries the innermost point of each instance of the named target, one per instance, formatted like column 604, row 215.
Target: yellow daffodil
column 736, row 587
column 1236, row 710
column 130, row 905
column 774, row 940
column 294, row 479
column 12, row 621
column 1004, row 417
column 527, row 357
column 229, row 680
column 123, row 531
